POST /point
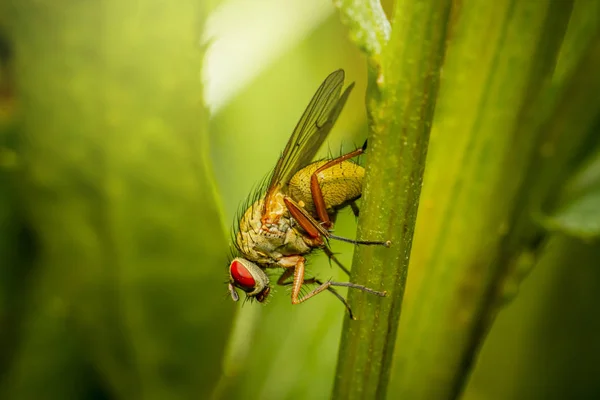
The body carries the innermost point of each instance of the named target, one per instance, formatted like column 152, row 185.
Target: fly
column 295, row 214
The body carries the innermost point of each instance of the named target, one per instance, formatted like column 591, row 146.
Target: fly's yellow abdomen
column 340, row 184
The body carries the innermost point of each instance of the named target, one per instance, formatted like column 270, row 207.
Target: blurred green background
column 121, row 171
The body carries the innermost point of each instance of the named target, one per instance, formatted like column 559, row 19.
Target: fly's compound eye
column 241, row 276
column 249, row 277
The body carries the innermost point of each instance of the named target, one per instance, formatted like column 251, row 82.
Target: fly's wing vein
column 311, row 131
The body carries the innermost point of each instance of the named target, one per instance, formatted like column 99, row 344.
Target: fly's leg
column 333, row 258
column 288, row 273
column 319, row 202
column 386, row 243
column 315, row 229
column 355, row 209
column 299, row 280
column 315, row 188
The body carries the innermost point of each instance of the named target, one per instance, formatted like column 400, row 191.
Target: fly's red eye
column 241, row 275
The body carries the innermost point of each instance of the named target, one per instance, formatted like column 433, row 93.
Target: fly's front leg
column 315, row 188
column 297, row 263
column 288, row 272
column 299, row 280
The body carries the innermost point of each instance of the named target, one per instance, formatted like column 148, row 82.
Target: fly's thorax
column 273, row 208
column 267, row 245
column 339, row 184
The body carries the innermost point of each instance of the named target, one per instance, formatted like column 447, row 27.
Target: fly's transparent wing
column 312, row 130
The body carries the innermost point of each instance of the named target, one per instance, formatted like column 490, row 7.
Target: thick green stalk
column 401, row 100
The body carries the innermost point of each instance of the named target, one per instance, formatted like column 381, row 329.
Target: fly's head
column 250, row 278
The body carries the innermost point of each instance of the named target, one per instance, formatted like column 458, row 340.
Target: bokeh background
column 130, row 133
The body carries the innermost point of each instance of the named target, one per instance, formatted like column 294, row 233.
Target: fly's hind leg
column 317, row 229
column 355, row 209
column 321, row 207
column 315, row 188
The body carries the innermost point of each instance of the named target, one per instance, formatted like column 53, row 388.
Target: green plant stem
column 401, row 100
